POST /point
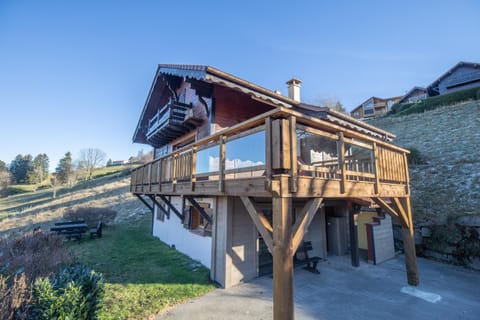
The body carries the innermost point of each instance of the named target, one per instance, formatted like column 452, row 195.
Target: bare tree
column 90, row 159
column 332, row 104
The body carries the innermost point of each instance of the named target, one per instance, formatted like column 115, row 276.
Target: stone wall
column 446, row 188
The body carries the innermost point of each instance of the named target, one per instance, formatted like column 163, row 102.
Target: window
column 196, row 222
column 161, row 213
column 368, row 107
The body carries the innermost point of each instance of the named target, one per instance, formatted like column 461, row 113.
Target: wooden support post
column 193, row 175
column 407, row 175
column 293, row 153
column 174, row 172
column 221, row 165
column 375, row 167
column 409, row 245
column 341, row 160
column 282, row 259
column 150, row 177
column 353, row 209
column 268, row 148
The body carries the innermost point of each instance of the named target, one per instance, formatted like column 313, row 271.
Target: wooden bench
column 311, row 262
column 97, row 231
column 70, row 229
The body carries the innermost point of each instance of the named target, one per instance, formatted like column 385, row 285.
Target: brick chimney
column 294, row 89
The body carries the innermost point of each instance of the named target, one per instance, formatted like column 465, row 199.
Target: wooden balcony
column 281, row 153
column 170, row 122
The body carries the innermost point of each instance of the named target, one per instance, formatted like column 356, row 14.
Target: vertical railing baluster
column 221, row 165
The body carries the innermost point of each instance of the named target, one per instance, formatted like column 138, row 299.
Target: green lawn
column 142, row 275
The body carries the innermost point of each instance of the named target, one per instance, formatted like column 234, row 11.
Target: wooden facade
column 373, row 107
column 305, row 156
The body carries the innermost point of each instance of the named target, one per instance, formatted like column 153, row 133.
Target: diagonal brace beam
column 200, row 209
column 172, row 207
column 262, row 224
column 303, row 222
column 149, row 206
column 159, row 206
column 398, row 205
column 391, row 211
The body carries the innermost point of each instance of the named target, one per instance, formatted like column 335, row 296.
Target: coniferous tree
column 20, row 168
column 65, row 171
column 38, row 170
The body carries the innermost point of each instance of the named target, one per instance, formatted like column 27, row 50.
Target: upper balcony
column 170, row 122
column 279, row 152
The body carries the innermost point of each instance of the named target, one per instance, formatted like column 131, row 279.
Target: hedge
column 436, row 101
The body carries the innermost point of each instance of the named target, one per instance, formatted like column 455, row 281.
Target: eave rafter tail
column 303, row 222
column 262, row 224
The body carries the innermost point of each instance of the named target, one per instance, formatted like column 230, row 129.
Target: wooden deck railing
column 357, row 157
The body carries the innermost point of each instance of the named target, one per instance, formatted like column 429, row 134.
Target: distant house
column 462, row 76
column 373, row 107
column 118, row 163
column 414, row 95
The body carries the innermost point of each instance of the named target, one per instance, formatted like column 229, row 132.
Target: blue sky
column 75, row 75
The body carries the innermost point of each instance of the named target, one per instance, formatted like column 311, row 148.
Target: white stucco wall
column 172, row 232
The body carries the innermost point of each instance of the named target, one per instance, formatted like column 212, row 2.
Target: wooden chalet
column 373, row 107
column 242, row 173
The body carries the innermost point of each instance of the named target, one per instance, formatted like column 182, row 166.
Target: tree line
column 26, row 169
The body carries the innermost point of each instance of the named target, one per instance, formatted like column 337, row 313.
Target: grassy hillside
column 110, row 188
column 448, row 138
column 142, row 275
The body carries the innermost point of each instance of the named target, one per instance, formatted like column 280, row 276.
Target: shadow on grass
column 27, row 201
column 129, row 254
column 33, row 221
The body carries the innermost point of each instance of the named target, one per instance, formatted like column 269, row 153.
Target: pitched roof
column 451, row 70
column 407, row 95
column 216, row 76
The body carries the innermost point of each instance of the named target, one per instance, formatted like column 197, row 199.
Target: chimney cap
column 294, row 81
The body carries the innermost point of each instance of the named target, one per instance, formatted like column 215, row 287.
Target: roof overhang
column 215, row 76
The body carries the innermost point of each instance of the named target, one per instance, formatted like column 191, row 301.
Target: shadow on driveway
column 343, row 292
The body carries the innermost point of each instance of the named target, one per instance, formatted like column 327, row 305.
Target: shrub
column 76, row 292
column 91, row 216
column 439, row 101
column 35, row 254
column 415, row 157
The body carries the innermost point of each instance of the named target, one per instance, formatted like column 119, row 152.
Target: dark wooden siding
column 232, row 107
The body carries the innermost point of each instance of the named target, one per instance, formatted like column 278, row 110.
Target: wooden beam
column 282, row 259
column 193, row 174
column 200, row 209
column 303, row 222
column 341, row 161
column 221, row 165
column 172, row 207
column 376, row 168
column 400, row 208
column 293, row 153
column 268, row 148
column 410, row 256
column 149, row 206
column 355, row 256
column 166, row 212
column 387, row 208
column 263, row 226
column 409, row 246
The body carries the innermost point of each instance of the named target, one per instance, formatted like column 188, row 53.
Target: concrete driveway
column 344, row 292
